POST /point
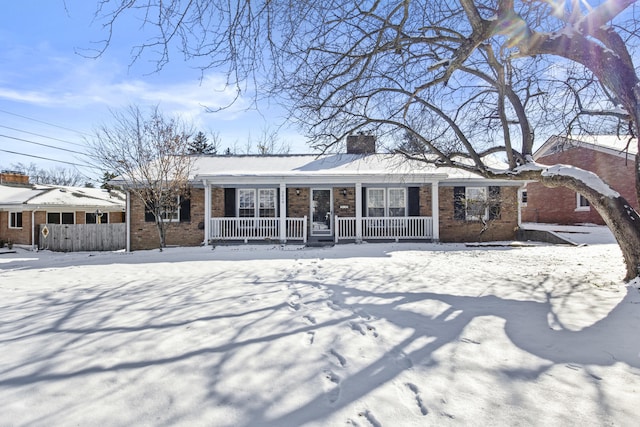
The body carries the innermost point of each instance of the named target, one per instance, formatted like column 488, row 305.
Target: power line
column 46, row 158
column 43, row 122
column 44, row 145
column 43, row 136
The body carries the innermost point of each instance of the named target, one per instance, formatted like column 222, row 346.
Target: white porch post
column 435, row 211
column 207, row 212
column 358, row 212
column 283, row 212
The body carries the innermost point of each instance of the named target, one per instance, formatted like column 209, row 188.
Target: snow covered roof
column 622, row 146
column 60, row 196
column 329, row 168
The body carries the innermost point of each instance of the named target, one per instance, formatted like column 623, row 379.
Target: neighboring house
column 357, row 196
column 607, row 156
column 24, row 207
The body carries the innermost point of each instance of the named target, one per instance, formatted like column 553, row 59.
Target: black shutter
column 414, row 201
column 185, row 209
column 148, row 215
column 364, row 202
column 494, row 202
column 229, row 202
column 458, row 203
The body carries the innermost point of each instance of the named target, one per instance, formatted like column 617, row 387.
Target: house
column 608, row 156
column 356, row 196
column 25, row 207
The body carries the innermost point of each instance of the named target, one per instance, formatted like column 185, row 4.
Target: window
column 246, row 203
column 265, row 206
column 267, row 203
column 375, row 202
column 523, row 197
column 386, row 202
column 174, row 210
column 92, row 218
column 582, row 204
column 397, row 202
column 170, row 210
column 476, row 203
column 15, row 219
column 60, row 218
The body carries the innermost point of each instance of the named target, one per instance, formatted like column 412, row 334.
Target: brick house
column 357, row 196
column 606, row 155
column 24, row 207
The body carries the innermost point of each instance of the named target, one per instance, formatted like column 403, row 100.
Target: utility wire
column 43, row 136
column 46, row 158
column 43, row 122
column 44, row 145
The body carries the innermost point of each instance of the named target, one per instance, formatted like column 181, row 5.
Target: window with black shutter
column 459, row 206
column 414, row 201
column 229, row 202
column 185, row 209
column 494, row 202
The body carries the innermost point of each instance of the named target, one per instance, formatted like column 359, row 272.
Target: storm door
column 321, row 212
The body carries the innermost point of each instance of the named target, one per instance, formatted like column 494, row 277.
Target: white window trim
column 470, row 217
column 579, row 206
column 386, row 200
column 522, row 194
column 15, row 213
column 256, row 201
column 176, row 214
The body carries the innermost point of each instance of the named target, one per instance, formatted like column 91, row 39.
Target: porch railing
column 246, row 229
column 387, row 228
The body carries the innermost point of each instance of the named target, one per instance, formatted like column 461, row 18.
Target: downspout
column 128, row 221
column 33, row 230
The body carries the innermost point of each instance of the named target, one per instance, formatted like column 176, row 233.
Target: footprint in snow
column 331, row 385
column 309, row 319
column 416, row 391
column 310, row 337
column 368, row 416
column 342, row 362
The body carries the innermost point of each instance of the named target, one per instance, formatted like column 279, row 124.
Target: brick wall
column 425, row 200
column 504, row 228
column 344, row 205
column 298, row 205
column 144, row 235
column 558, row 205
column 19, row 236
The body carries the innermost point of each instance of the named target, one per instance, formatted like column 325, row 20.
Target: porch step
column 319, row 243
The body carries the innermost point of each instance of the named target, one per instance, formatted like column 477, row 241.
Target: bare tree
column 149, row 154
column 468, row 79
column 53, row 176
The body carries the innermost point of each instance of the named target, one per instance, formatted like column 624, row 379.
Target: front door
column 321, row 212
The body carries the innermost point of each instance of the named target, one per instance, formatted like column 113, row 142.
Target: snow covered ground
column 367, row 335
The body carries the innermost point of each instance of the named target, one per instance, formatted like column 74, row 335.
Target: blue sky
column 50, row 94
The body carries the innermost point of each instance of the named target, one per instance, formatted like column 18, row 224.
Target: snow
column 371, row 335
column 589, row 178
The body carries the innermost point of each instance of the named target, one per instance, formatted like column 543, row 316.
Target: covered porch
column 330, row 210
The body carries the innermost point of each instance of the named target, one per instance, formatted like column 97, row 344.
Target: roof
column 621, row 146
column 60, row 196
column 328, row 168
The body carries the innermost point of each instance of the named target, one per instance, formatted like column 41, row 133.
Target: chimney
column 361, row 144
column 14, row 178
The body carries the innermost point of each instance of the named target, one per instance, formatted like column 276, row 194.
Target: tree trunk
column 617, row 213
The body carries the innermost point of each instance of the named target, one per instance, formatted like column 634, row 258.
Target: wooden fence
column 83, row 237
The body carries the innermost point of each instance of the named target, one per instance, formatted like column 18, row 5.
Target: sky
column 53, row 93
